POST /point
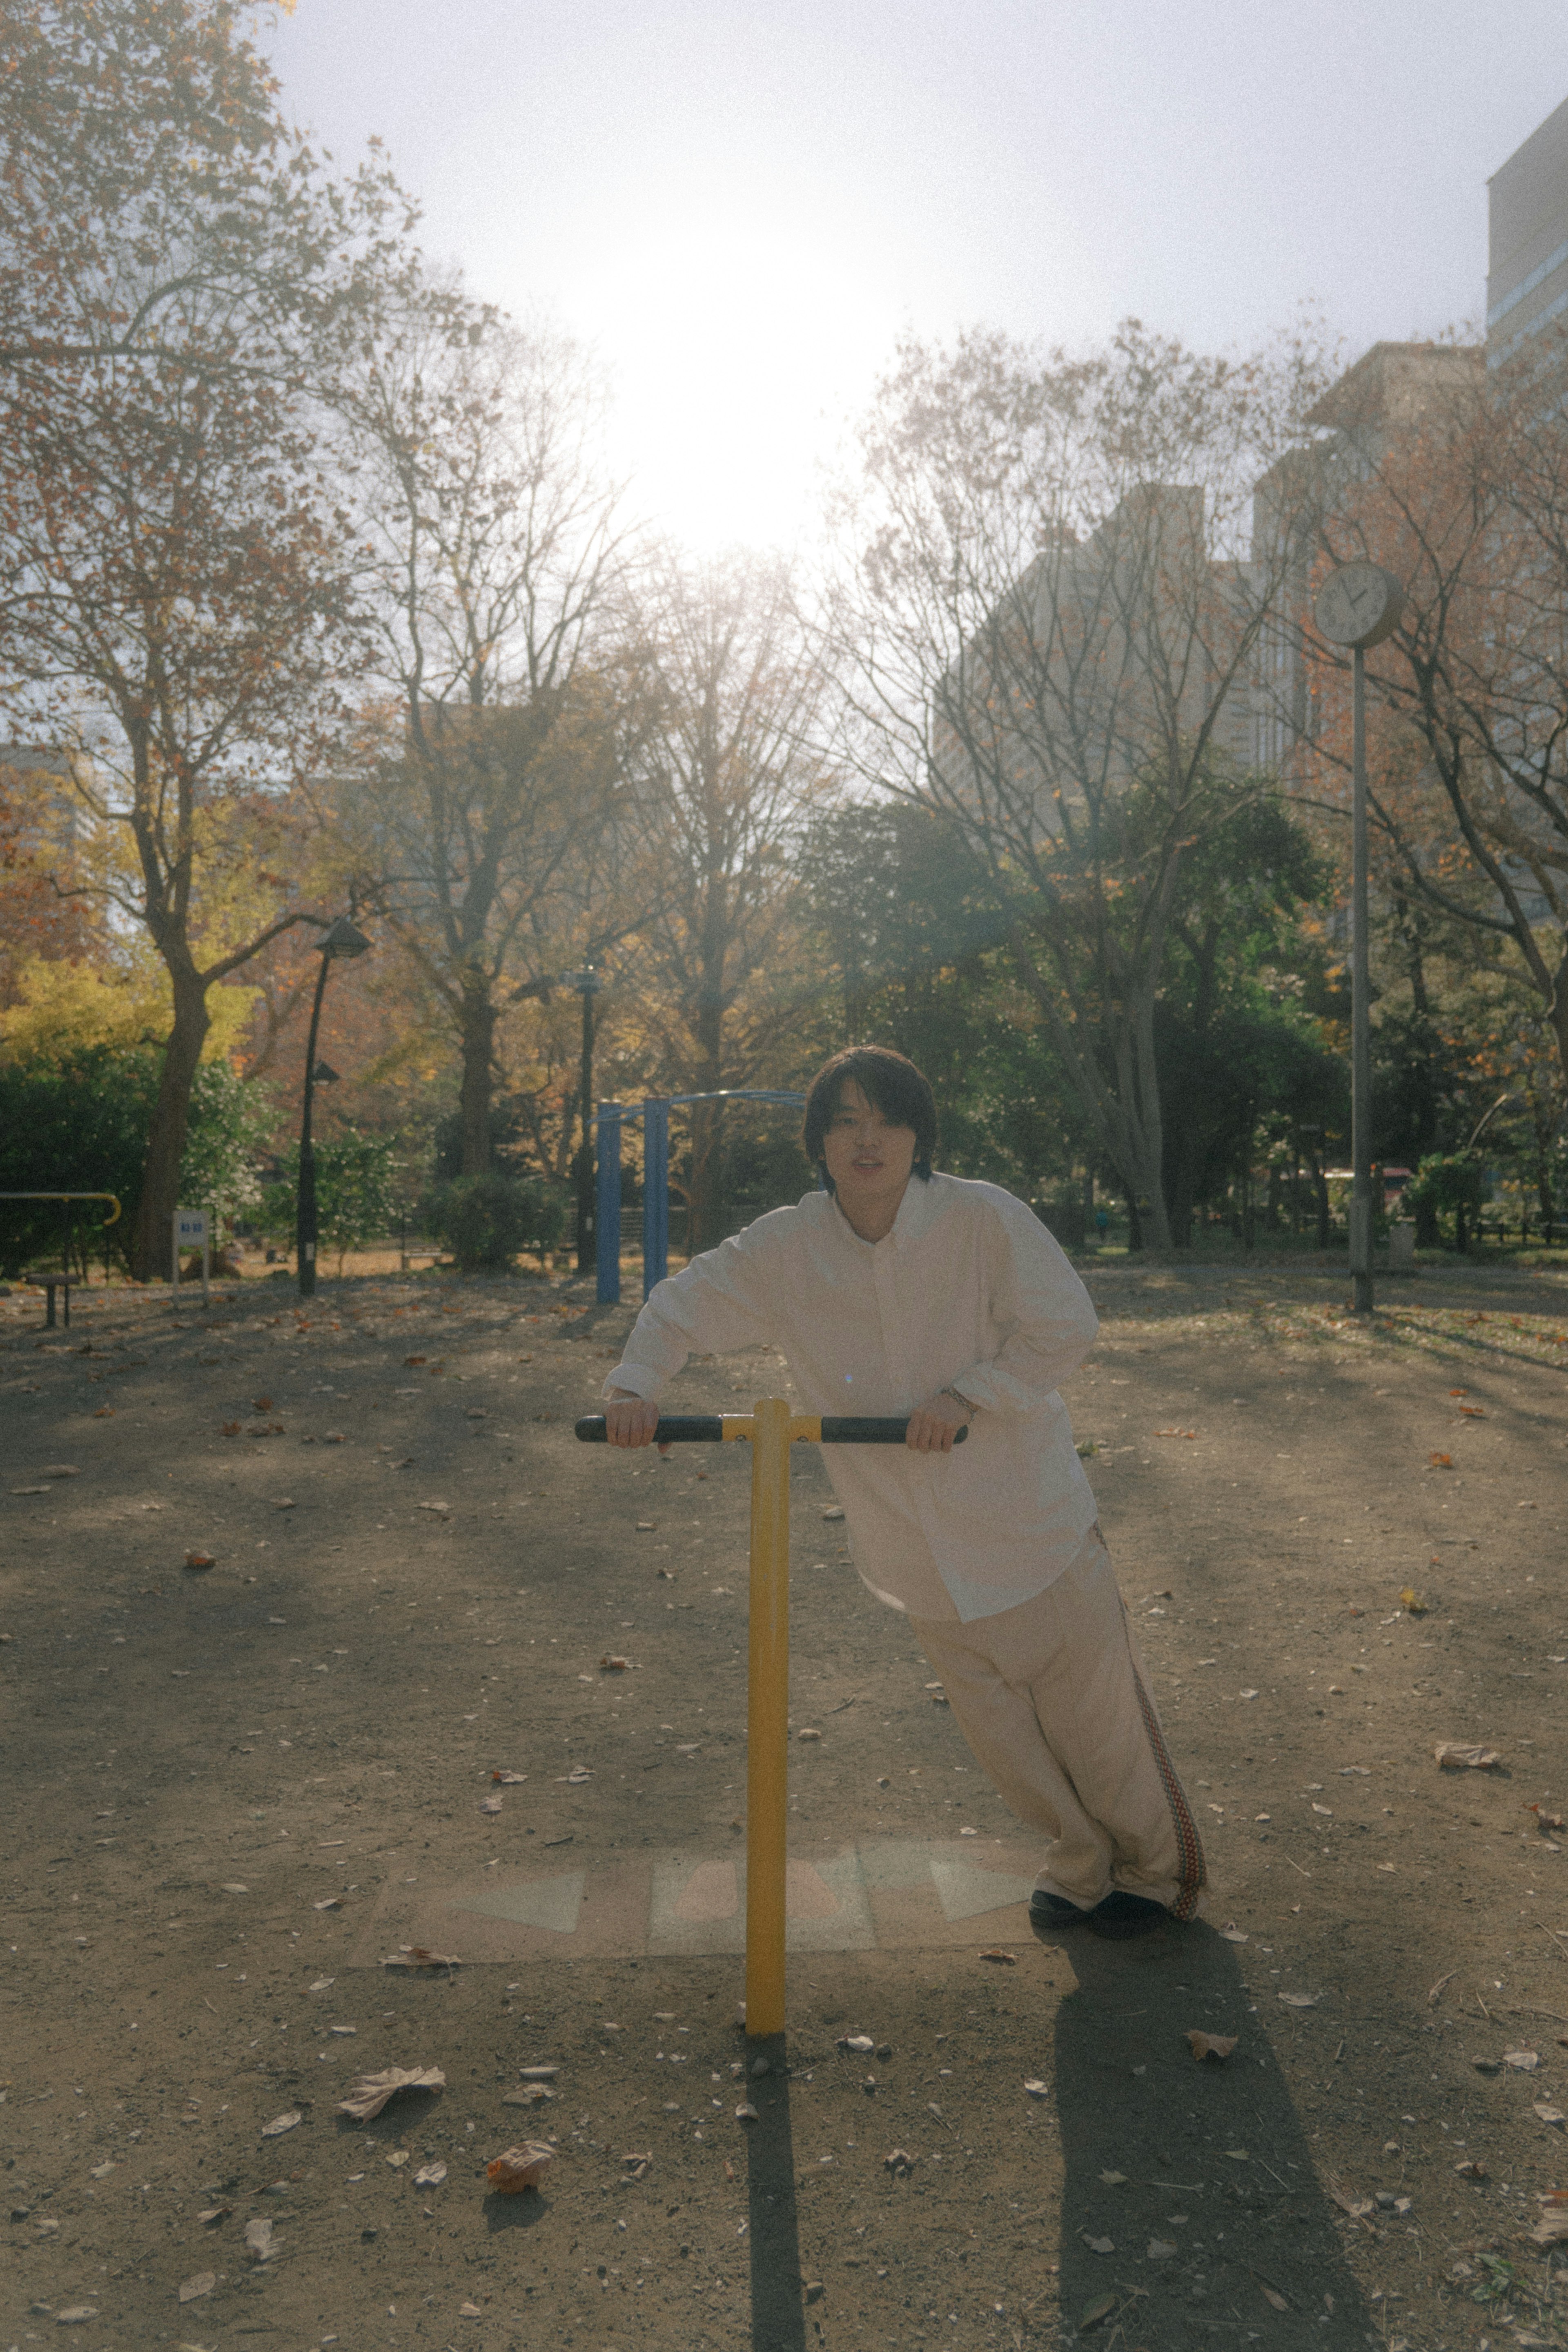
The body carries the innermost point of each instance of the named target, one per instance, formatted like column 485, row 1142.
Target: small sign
column 191, row 1231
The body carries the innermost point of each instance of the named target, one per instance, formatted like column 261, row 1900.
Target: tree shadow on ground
column 778, row 2315
column 1212, row 2158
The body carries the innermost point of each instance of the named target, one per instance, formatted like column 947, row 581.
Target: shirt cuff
column 630, row 1376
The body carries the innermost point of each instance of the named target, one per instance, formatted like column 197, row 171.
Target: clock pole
column 1360, row 1022
column 1358, row 606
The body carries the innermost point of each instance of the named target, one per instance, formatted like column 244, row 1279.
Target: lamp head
column 342, row 939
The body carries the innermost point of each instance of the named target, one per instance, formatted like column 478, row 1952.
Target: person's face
column 867, row 1159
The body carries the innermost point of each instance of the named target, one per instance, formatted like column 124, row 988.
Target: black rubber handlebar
column 707, row 1429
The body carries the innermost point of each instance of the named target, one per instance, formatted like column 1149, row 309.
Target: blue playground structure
column 655, row 1114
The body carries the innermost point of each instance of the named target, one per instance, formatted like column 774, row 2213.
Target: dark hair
column 901, row 1092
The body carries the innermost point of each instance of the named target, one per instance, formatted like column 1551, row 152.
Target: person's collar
column 915, row 1212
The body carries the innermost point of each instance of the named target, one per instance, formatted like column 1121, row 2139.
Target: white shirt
column 969, row 1291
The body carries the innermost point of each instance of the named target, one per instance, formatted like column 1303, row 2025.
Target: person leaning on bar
column 898, row 1290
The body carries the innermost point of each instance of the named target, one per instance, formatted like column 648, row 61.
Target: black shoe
column 1055, row 1910
column 1122, row 1915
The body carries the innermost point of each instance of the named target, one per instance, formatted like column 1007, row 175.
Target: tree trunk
column 478, row 1045
column 151, row 1235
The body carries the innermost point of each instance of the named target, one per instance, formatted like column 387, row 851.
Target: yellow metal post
column 768, row 1709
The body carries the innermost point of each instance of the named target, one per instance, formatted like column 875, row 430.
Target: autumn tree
column 176, row 275
column 480, row 815
column 1046, row 621
column 727, row 769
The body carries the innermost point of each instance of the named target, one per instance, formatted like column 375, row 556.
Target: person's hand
column 933, row 1426
column 630, row 1421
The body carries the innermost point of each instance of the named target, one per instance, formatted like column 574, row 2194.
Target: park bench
column 48, row 1279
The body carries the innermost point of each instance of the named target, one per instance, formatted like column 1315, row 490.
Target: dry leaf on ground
column 430, row 2176
column 281, row 2124
column 1210, row 2046
column 1301, row 1999
column 1545, row 1821
column 1442, row 1460
column 1004, row 1959
column 200, row 1560
column 1233, row 1934
column 529, row 2097
column 1523, row 2061
column 1548, row 2113
column 420, row 1956
column 898, row 2159
column 490, row 1804
column 517, row 2168
column 1552, row 2228
column 372, row 2092
column 258, row 2238
column 1356, row 2207
column 1411, row 1602
column 1101, row 2245
column 509, row 1780
column 613, row 1665
column 202, row 2283
column 1271, row 2295
column 1454, row 1756
column 861, row 2042
column 1036, row 2088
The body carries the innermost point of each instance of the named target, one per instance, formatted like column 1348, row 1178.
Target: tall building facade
column 1527, row 240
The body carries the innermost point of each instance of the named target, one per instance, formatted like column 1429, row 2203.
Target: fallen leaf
column 1354, row 2206
column 517, row 2168
column 1210, row 2046
column 1474, row 1412
column 1442, row 1460
column 1523, row 2061
column 1160, row 2250
column 1453, row 1756
column 548, row 2073
column 281, row 2124
column 1549, row 2114
column 509, row 1780
column 469, row 2311
column 1004, row 1959
column 898, row 2159
column 1232, row 1934
column 529, row 2097
column 834, row 1511
column 1176, row 1432
column 808, row 1735
column 1545, row 1821
column 1099, row 2308
column 613, row 1665
column 200, row 1560
column 430, row 2176
column 262, row 1404
column 215, row 2213
column 75, row 2313
column 397, row 2157
column 103, row 2171
column 1102, row 2245
column 258, row 2238
column 441, row 1509
column 328, row 1902
column 419, row 1955
column 229, row 1429
column 490, row 1805
column 1114, row 2180
column 1470, row 2168
column 410, row 1362
column 747, row 2114
column 106, row 1412
column 861, row 2042
column 1411, row 1602
column 372, row 2092
column 283, row 1502
column 1299, row 2000
column 1271, row 2295
column 1036, row 2088
column 1550, row 2230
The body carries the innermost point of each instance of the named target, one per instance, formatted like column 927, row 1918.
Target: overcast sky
column 740, row 205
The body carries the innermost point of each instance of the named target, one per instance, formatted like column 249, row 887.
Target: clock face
column 1359, row 604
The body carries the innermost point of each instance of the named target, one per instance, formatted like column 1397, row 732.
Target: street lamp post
column 1358, row 606
column 339, row 939
column 588, row 984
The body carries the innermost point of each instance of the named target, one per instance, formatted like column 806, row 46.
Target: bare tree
column 494, row 548
column 728, row 769
column 1046, row 625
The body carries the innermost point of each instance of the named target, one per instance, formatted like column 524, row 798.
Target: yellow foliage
column 66, row 1007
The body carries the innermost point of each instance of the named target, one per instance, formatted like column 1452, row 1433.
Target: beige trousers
column 1054, row 1703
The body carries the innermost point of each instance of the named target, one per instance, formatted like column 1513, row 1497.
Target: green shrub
column 356, row 1192
column 1447, row 1181
column 485, row 1221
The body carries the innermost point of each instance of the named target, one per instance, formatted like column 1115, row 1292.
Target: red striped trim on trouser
column 1189, row 1845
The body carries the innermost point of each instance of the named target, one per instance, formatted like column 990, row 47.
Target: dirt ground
column 218, row 1840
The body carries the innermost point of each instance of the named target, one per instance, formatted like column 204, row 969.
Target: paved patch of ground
column 235, row 1791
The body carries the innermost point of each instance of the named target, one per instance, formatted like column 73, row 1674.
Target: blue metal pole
column 655, row 1191
column 607, row 1223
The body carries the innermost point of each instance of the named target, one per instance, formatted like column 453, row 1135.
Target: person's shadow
column 1190, row 2201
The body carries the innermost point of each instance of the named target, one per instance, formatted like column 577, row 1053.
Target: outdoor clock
column 1359, row 604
